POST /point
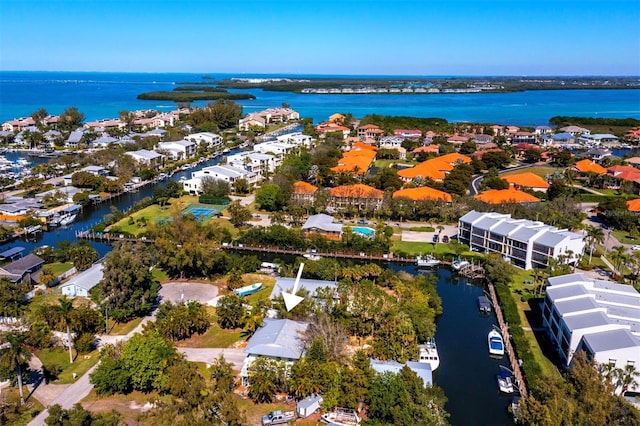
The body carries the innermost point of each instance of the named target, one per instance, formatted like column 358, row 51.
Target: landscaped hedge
column 594, row 198
column 530, row 367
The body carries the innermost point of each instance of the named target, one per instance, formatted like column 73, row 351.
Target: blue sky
column 378, row 37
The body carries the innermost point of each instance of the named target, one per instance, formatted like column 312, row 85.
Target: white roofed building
column 149, row 158
column 599, row 317
column 297, row 138
column 81, row 284
column 178, row 150
column 211, row 139
column 528, row 244
column 223, row 172
column 255, row 162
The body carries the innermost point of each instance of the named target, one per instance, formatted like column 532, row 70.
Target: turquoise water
column 363, row 230
column 103, row 95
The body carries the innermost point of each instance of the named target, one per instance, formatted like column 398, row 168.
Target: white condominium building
column 599, row 317
column 527, row 244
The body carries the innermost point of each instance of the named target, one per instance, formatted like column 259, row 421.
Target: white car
column 635, row 248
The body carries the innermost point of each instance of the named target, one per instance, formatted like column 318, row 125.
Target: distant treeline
column 388, row 122
column 185, row 96
column 561, row 121
column 198, row 89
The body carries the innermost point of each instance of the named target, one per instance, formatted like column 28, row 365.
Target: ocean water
column 103, row 95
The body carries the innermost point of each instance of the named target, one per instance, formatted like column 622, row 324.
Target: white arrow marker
column 291, row 300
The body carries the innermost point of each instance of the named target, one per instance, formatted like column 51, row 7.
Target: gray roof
column 24, row 264
column 422, row 369
column 309, row 401
column 570, row 306
column 524, row 234
column 505, row 228
column 611, row 340
column 610, row 285
column 587, row 320
column 551, row 239
column 312, row 286
column 471, row 216
column 146, row 154
column 87, row 279
column 278, row 338
column 559, row 293
column 224, row 170
column 323, row 222
column 566, row 279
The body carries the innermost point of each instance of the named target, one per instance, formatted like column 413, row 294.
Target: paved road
column 207, row 355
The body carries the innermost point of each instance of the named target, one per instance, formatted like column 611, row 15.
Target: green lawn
column 413, row 248
column 214, row 337
column 541, row 171
column 59, row 268
column 58, row 356
column 383, row 164
column 159, row 275
column 119, row 329
column 20, row 415
column 625, row 238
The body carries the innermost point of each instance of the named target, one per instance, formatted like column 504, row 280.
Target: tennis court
column 200, row 212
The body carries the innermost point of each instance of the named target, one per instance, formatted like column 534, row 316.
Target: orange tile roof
column 303, row 188
column 434, row 168
column 634, row 205
column 358, row 190
column 528, row 180
column 422, row 193
column 357, row 152
column 586, row 166
column 506, row 196
column 433, row 148
column 362, row 145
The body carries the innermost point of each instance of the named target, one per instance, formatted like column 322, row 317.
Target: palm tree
column 618, row 255
column 627, row 377
column 595, row 236
column 66, row 307
column 15, row 355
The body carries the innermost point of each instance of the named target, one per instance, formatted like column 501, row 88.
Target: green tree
column 82, row 255
column 270, row 197
column 70, row 119
column 230, row 312
column 65, row 309
column 532, row 155
column 468, row 147
column 78, row 416
column 499, row 271
column 595, row 236
column 147, row 358
column 239, row 213
column 264, row 376
column 216, row 188
column 15, row 356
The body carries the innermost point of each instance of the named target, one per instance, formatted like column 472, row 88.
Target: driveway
column 208, row 355
column 177, row 292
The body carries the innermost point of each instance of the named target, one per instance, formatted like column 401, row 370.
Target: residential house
column 481, row 139
column 391, row 142
column 178, row 150
column 323, row 224
column 279, row 149
column 260, row 164
column 226, row 173
column 75, row 137
column 523, row 137
column 527, row 180
column 601, row 318
column 408, row 133
column 94, row 170
column 105, row 124
column 633, row 134
column 498, row 130
column 370, row 131
column 625, row 174
column 560, row 139
column 277, row 339
column 211, row 139
column 279, row 115
column 150, row 159
column 104, row 141
column 82, row 283
column 332, row 127
column 285, row 285
column 434, row 168
column 297, row 139
column 527, row 244
column 512, row 130
column 598, row 139
column 356, row 161
column 506, row 196
column 358, row 196
column 542, row 130
column 18, row 124
column 575, row 130
column 457, row 139
column 598, row 154
column 422, row 369
column 587, row 166
column 25, row 268
column 422, row 194
column 303, row 192
column 251, row 120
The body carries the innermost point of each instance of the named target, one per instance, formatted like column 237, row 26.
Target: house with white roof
column 177, row 150
column 599, row 317
column 277, row 339
column 75, row 137
column 211, row 139
column 422, row 369
column 296, row 138
column 258, row 163
column 285, row 285
column 148, row 158
column 323, row 224
column 223, row 172
column 279, row 149
column 597, row 139
column 82, row 283
column 527, row 244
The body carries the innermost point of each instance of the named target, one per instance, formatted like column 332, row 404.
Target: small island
column 194, row 92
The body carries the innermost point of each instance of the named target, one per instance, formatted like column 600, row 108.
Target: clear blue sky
column 380, row 37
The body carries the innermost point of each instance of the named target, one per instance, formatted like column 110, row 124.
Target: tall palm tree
column 15, row 355
column 618, row 256
column 66, row 307
column 595, row 236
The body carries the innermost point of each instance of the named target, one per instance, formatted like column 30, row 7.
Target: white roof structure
column 284, row 284
column 422, row 369
column 278, row 338
column 87, row 279
column 322, row 222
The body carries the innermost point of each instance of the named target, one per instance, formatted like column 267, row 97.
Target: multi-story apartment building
column 527, row 244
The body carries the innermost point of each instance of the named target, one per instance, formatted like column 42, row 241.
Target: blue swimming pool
column 364, row 231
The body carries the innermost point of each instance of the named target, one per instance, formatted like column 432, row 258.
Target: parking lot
column 185, row 291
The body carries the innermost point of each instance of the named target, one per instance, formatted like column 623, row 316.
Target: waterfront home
column 599, row 317
column 297, row 139
column 251, row 120
column 285, row 285
column 105, row 124
column 356, row 161
column 575, row 130
column 527, row 180
column 279, row 149
column 633, row 134
column 303, row 192
column 25, row 268
column 542, row 130
column 358, row 196
column 177, row 150
column 18, row 124
column 506, row 196
column 226, row 173
column 370, row 131
column 94, row 170
column 75, row 138
column 323, row 224
column 82, row 283
column 14, row 209
column 523, row 137
column 211, row 139
column 422, row 369
column 597, row 154
column 423, row 193
column 148, row 158
column 105, row 140
column 559, row 139
column 528, row 244
column 331, row 127
column 277, row 339
column 260, row 164
column 597, row 139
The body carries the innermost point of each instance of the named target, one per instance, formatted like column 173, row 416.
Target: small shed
column 82, row 283
column 309, row 405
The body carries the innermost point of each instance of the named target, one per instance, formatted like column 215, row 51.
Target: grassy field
column 60, row 357
column 382, row 164
column 214, row 337
column 120, row 329
column 59, row 268
column 541, row 171
column 625, row 238
column 22, row 415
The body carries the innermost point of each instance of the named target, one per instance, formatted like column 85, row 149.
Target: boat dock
column 504, row 329
column 472, row 272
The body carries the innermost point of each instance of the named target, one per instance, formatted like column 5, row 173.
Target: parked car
column 635, row 248
column 278, row 417
column 445, row 239
column 362, row 222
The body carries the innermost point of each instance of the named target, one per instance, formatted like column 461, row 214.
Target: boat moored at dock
column 427, row 261
column 496, row 343
column 429, row 354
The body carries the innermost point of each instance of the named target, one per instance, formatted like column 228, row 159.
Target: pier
column 504, row 329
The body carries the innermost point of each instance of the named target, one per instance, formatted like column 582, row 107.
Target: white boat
column 341, row 417
column 484, row 304
column 248, row 289
column 311, row 256
column 496, row 344
column 67, row 219
column 505, row 381
column 429, row 354
column 427, row 261
column 459, row 264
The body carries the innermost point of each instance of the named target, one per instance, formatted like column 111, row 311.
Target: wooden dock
column 504, row 329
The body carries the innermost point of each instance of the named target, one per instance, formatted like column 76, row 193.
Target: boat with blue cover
column 247, row 290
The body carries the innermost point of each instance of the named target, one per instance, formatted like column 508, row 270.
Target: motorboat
column 496, row 343
column 429, row 354
column 311, row 256
column 506, row 383
column 515, row 408
column 484, row 304
column 427, row 261
column 67, row 219
column 459, row 264
column 248, row 289
column 341, row 417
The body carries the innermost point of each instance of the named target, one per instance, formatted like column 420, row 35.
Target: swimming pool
column 364, row 231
